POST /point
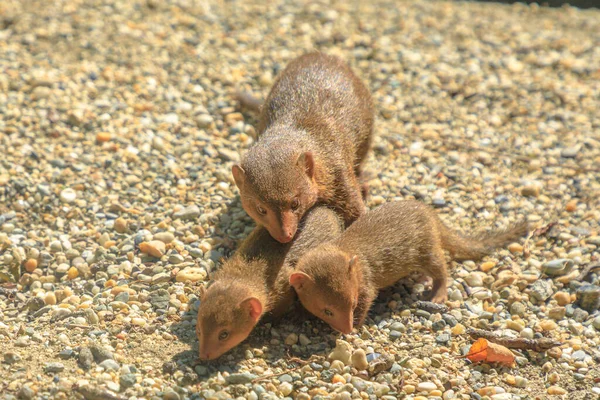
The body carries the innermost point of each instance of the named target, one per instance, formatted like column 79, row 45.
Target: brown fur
column 314, row 131
column 255, row 282
column 381, row 247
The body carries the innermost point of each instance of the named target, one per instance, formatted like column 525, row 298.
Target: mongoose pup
column 314, row 133
column 254, row 282
column 338, row 281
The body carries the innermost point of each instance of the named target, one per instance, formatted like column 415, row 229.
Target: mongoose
column 314, row 133
column 338, row 281
column 254, row 282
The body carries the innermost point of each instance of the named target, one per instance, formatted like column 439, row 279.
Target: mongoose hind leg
column 438, row 271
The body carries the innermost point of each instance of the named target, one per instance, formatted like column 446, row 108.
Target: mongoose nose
column 286, row 237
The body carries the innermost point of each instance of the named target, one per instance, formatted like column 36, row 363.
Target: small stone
column 596, row 323
column 426, row 386
column 191, row 274
column 458, row 329
column 541, row 290
column 532, row 190
column 50, row 298
column 557, row 313
column 562, row 298
column 304, row 340
column 86, row 358
column 101, row 353
column 571, row 205
column 240, row 379
column 515, row 248
column 120, row 225
column 103, row 137
column 91, row 316
column 588, row 297
column 127, row 380
column 342, row 352
column 31, row 265
column 548, row 325
column 187, row 213
column 409, row 389
column 555, row 390
column 557, row 267
column 109, row 365
column 54, row 367
column 204, row 121
column 474, row 279
column 526, row 333
column 570, row 152
column 291, row 339
column 11, row 358
column 518, row 308
column 68, row 195
column 25, row 393
column 154, row 248
column 286, row 388
column 359, row 360
column 165, row 237
column 72, row 273
column 487, row 266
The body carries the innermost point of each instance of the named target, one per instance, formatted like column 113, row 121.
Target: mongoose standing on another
column 338, row 281
column 255, row 281
column 314, row 132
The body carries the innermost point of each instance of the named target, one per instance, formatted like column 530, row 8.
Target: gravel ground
column 118, row 132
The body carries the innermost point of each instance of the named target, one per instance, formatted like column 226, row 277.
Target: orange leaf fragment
column 485, row 351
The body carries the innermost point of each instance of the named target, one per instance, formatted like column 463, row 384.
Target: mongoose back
column 338, row 281
column 254, row 281
column 314, row 133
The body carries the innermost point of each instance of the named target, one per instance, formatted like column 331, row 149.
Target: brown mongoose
column 254, row 282
column 338, row 281
column 314, row 133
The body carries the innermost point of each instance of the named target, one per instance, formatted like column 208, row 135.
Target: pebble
column 54, row 367
column 359, row 360
column 242, row 378
column 191, row 274
column 341, row 352
column 187, row 213
column 154, row 248
column 588, row 297
column 426, row 387
column 68, row 195
column 556, row 390
column 557, row 267
column 291, row 339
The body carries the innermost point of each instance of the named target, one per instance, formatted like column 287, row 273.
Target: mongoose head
column 276, row 189
column 226, row 316
column 326, row 282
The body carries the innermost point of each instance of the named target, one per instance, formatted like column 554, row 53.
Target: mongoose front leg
column 365, row 300
column 350, row 197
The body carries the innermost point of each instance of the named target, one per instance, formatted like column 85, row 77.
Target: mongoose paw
column 440, row 297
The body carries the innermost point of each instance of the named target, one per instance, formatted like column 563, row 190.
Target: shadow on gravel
column 261, row 338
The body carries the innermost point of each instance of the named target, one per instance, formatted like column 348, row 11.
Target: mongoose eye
column 328, row 312
column 223, row 335
column 261, row 210
column 295, row 204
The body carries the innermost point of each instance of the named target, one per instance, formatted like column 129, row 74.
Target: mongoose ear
column 352, row 263
column 253, row 306
column 201, row 292
column 239, row 176
column 307, row 162
column 299, row 279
